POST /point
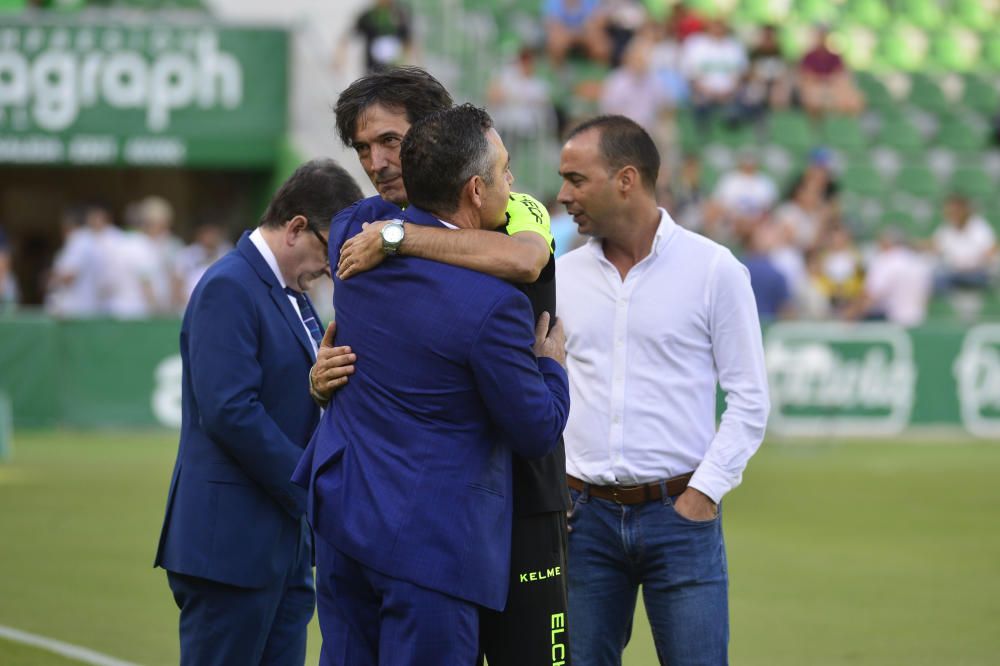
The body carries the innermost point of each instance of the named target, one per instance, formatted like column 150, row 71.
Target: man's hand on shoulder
column 332, row 368
column 551, row 344
column 362, row 252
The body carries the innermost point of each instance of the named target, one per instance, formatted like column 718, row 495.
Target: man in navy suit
column 235, row 543
column 374, row 114
column 409, row 470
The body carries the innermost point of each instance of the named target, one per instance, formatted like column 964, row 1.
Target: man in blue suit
column 235, row 543
column 409, row 470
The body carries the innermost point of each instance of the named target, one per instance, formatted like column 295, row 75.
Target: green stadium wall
column 826, row 379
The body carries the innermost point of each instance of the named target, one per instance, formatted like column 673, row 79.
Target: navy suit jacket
column 409, row 469
column 233, row 515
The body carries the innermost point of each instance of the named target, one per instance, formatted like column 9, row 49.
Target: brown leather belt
column 647, row 492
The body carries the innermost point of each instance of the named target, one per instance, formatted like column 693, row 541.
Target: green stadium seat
column 794, row 38
column 877, row 96
column 980, row 95
column 816, row 11
column 857, row 44
column 972, row 182
column 863, row 180
column 711, row 7
column 973, row 14
column 731, row 137
column 926, row 94
column 991, row 52
column 904, row 47
column 844, row 133
column 871, row 13
column 955, row 50
column 764, row 11
column 862, row 214
column 901, row 220
column 957, row 135
column 922, row 13
column 12, row 6
column 792, row 130
column 918, row 180
column 690, row 139
column 901, row 136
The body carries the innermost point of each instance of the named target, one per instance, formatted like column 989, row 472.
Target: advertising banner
column 141, row 94
column 826, row 380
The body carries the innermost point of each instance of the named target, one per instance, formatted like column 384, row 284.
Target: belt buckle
column 614, row 494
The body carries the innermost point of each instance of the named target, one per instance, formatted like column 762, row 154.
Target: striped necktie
column 308, row 314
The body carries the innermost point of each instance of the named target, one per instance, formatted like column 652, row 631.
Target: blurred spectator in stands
column 683, row 194
column 634, row 90
column 843, row 271
column 769, row 83
column 715, row 63
column 770, row 288
column 156, row 220
column 78, row 284
column 210, row 244
column 521, row 101
column 682, row 22
column 625, row 19
column 387, row 33
column 8, row 283
column 966, row 246
column 788, row 258
column 130, row 269
column 897, row 284
column 812, row 298
column 806, row 215
column 665, row 59
column 740, row 200
column 576, row 24
column 825, row 84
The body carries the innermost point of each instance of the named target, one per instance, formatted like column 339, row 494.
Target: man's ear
column 475, row 190
column 294, row 228
column 628, row 179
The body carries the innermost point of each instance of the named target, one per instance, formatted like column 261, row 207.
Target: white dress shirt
column 644, row 356
column 258, row 241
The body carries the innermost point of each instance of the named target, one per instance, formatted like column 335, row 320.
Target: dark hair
column 409, row 89
column 624, row 143
column 318, row 190
column 442, row 152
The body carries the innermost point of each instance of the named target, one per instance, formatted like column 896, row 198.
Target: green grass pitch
column 856, row 554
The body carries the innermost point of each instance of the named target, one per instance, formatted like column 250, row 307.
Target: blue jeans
column 680, row 564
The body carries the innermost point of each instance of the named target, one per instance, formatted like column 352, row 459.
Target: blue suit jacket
column 409, row 467
column 233, row 515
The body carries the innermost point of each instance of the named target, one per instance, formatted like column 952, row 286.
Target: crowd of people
column 134, row 271
column 808, row 259
column 655, row 67
column 804, row 252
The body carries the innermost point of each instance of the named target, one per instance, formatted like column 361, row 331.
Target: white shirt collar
column 257, row 238
column 664, row 231
column 447, row 224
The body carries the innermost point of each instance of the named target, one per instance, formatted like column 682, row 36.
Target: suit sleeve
column 226, row 377
column 527, row 398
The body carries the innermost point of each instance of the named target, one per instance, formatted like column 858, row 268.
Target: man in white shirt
column 897, row 284
column 655, row 316
column 740, row 200
column 966, row 245
column 715, row 63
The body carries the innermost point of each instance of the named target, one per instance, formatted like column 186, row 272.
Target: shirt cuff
column 712, row 481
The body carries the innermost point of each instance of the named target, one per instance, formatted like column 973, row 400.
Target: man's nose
column 380, row 159
column 563, row 196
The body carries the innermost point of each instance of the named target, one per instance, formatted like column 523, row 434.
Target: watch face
column 392, row 233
